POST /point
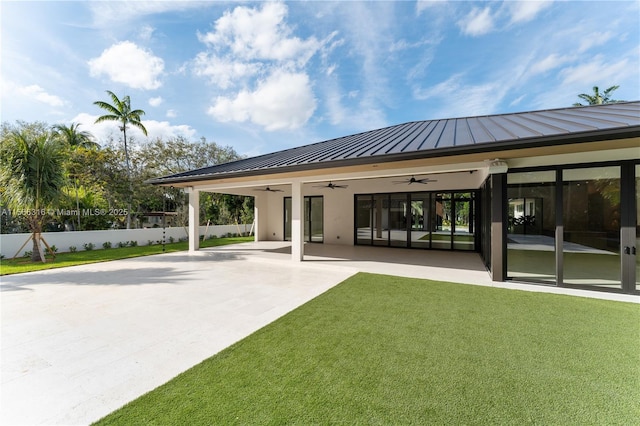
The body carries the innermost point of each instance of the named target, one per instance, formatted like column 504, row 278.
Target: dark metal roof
column 434, row 138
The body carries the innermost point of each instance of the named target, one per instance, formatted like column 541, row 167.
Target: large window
column 443, row 220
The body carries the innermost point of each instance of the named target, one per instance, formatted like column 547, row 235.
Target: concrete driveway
column 78, row 343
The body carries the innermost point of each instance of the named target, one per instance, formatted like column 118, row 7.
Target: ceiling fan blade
column 267, row 189
column 425, row 180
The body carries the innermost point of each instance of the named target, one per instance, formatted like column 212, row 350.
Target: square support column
column 297, row 222
column 260, row 218
column 498, row 227
column 194, row 219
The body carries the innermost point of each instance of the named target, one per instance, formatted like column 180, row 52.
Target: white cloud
column 477, row 22
column 460, row 99
column 260, row 34
column 282, row 101
column 524, row 11
column 39, row 94
column 154, row 102
column 127, row 63
column 222, row 72
column 171, row 113
column 258, row 63
column 146, row 32
column 422, row 5
column 107, row 130
column 596, row 70
column 550, row 62
column 594, row 39
column 110, row 14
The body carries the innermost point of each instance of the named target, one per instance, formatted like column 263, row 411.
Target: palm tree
column 121, row 111
column 32, row 173
column 598, row 98
column 74, row 137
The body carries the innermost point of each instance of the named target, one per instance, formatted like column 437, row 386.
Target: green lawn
column 388, row 350
column 19, row 265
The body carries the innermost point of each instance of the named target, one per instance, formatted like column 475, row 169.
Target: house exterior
column 548, row 197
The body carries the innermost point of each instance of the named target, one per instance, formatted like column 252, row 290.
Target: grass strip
column 388, row 350
column 21, row 265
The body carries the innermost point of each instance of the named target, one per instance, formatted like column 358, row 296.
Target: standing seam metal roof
column 419, row 139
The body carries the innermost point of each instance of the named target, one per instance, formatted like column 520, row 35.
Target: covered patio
column 465, row 184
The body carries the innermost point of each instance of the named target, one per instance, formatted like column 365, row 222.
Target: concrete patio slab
column 78, row 343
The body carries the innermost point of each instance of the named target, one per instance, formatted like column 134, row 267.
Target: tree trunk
column 36, row 250
column 126, row 158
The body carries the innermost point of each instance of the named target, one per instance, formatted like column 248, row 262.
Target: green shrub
column 122, row 244
column 106, row 245
column 89, row 246
column 73, row 249
column 149, row 242
column 53, row 248
column 28, row 253
column 171, row 239
column 133, row 243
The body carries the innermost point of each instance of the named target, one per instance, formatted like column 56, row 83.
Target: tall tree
column 121, row 111
column 32, row 174
column 598, row 98
column 74, row 137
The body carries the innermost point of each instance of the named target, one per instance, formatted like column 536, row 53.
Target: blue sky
column 262, row 77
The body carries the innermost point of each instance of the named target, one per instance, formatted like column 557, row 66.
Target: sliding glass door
column 575, row 226
column 443, row 220
column 313, row 219
column 591, row 219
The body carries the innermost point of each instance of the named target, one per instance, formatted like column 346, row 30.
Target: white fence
column 10, row 243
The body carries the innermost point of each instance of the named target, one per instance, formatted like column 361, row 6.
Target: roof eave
column 570, row 138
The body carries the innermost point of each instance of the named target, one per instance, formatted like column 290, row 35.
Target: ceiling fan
column 331, row 185
column 267, row 189
column 414, row 180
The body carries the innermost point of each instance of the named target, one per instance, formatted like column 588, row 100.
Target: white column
column 194, row 219
column 297, row 222
column 256, row 217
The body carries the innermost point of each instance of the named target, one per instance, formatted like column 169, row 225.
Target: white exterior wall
column 275, row 220
column 10, row 243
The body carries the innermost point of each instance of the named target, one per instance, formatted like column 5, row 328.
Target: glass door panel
column 420, row 232
column 637, row 256
column 380, row 220
column 307, row 218
column 531, row 242
column 316, row 218
column 364, row 220
column 287, row 219
column 398, row 220
column 441, row 235
column 591, row 216
column 463, row 236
